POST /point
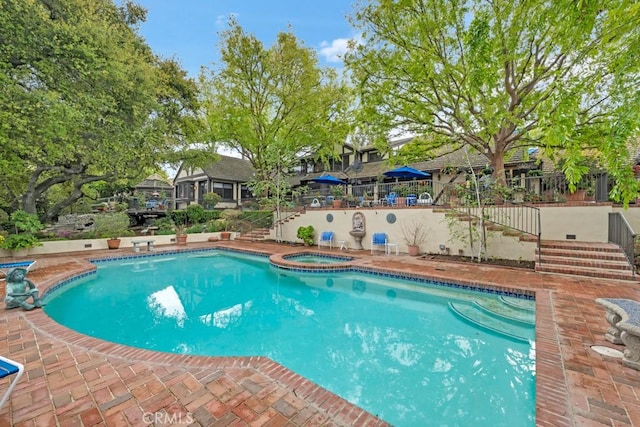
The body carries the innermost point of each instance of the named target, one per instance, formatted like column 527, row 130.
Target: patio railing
column 621, row 234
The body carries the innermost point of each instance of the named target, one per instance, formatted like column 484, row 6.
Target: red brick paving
column 73, row 379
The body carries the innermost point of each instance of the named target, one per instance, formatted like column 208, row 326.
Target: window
column 245, row 193
column 225, row 190
column 374, row 156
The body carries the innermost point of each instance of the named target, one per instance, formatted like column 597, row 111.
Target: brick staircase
column 591, row 259
column 255, row 235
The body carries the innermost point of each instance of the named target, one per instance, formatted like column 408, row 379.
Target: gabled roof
column 229, row 168
column 154, row 181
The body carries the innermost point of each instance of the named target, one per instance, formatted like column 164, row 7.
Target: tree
column 83, row 100
column 273, row 105
column 503, row 74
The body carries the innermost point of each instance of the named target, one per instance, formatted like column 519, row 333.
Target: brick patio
column 73, row 379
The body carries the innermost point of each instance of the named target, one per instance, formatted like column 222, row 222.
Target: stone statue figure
column 20, row 289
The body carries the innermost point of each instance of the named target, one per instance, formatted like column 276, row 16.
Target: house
column 227, row 177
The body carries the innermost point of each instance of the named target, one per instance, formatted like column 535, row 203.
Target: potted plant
column 415, row 234
column 211, row 200
column 338, row 194
column 181, row 234
column 517, row 192
column 306, row 234
column 111, row 226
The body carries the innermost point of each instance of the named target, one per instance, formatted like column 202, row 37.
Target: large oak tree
column 83, row 99
column 501, row 74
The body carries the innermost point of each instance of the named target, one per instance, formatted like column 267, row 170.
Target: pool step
column 499, row 309
column 524, row 304
column 478, row 317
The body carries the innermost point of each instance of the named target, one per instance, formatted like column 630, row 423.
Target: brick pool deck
column 75, row 380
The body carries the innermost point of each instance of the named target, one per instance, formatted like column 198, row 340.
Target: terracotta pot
column 213, row 239
column 413, row 250
column 113, row 243
column 337, row 204
column 225, row 235
column 181, row 239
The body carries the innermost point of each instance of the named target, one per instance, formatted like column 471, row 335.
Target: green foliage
column 15, row 242
column 111, row 225
column 337, row 191
column 216, row 225
column 198, row 228
column 84, row 100
column 306, row 234
column 273, row 105
column 211, row 200
column 179, row 217
column 164, row 224
column 24, row 222
column 195, row 213
column 501, row 76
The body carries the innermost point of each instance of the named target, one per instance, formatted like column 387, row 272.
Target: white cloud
column 334, row 51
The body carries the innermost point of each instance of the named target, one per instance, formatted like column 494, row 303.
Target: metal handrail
column 621, row 234
column 519, row 217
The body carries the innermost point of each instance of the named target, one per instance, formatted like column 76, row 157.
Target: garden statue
column 20, row 289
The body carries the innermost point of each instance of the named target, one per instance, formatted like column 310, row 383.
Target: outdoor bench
column 137, row 243
column 623, row 316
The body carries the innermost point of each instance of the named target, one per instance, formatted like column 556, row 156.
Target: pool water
column 318, row 259
column 396, row 349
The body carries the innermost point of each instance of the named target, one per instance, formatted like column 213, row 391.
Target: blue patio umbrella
column 328, row 179
column 406, row 172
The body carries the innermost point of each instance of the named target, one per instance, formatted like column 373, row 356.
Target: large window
column 225, row 190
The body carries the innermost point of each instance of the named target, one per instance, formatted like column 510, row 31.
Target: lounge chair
column 425, row 199
column 6, row 266
column 10, row 367
column 326, row 236
column 379, row 239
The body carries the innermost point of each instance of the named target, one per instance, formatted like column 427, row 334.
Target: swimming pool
column 395, row 348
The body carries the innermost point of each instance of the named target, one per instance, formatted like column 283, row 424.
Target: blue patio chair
column 10, row 367
column 378, row 239
column 326, row 236
column 390, row 199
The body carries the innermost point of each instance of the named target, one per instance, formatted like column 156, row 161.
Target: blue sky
column 188, row 29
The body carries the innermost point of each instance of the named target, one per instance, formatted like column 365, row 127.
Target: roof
column 459, row 158
column 154, row 181
column 229, row 168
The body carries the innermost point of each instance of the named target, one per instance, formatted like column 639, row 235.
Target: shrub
column 111, row 225
column 198, row 228
column 306, row 234
column 195, row 214
column 25, row 226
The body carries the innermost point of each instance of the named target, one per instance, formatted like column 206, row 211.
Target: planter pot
column 181, row 239
column 413, row 250
column 225, row 235
column 113, row 243
column 213, row 239
column 577, row 196
column 337, row 204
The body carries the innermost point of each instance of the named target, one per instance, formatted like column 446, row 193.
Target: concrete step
column 573, row 260
column 586, row 272
column 570, row 253
column 580, row 246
